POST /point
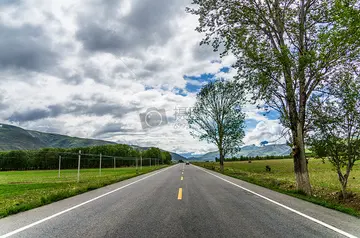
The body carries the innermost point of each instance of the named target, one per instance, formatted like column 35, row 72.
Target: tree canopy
column 285, row 50
column 217, row 116
column 336, row 124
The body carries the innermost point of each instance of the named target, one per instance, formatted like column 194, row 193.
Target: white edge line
column 79, row 205
column 286, row 207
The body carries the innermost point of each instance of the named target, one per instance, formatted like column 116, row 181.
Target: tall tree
column 217, row 117
column 336, row 124
column 285, row 49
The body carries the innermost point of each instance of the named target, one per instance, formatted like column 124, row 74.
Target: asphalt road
column 181, row 201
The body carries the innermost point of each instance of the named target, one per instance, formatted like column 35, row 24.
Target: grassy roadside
column 25, row 190
column 326, row 188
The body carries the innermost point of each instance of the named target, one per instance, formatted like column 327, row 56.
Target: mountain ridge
column 249, row 151
column 17, row 138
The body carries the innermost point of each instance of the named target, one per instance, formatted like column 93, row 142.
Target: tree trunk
column 343, row 181
column 300, row 165
column 221, row 161
column 343, row 188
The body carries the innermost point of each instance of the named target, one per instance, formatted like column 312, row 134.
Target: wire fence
column 51, row 160
column 104, row 161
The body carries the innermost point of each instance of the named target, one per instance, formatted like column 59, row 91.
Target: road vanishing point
column 181, row 201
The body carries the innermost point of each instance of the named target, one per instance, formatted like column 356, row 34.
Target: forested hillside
column 16, row 138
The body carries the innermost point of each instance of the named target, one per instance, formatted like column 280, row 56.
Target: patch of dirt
column 352, row 201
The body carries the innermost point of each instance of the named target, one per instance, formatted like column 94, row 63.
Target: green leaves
column 281, row 45
column 217, row 116
column 286, row 50
column 336, row 121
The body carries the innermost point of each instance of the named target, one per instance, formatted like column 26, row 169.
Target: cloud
column 205, row 52
column 26, row 47
column 97, row 107
column 29, row 115
column 269, row 130
column 88, row 68
column 114, row 31
column 3, row 103
column 110, row 129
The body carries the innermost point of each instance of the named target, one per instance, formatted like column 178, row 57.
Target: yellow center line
column 180, row 194
column 182, row 178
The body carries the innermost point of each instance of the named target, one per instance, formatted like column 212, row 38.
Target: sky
column 117, row 70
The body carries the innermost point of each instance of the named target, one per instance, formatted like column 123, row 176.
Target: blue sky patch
column 192, row 88
column 250, row 124
column 194, row 83
column 180, row 91
column 225, row 69
column 271, row 115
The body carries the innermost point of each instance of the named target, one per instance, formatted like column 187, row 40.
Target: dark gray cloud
column 94, row 72
column 147, row 24
column 78, row 106
column 156, row 65
column 111, row 128
column 28, row 115
column 37, row 114
column 26, row 47
column 150, row 69
column 98, row 109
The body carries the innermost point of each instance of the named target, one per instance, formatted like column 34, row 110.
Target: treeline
column 268, row 157
column 48, row 158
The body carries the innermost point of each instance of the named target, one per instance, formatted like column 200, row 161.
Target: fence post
column 59, row 165
column 136, row 161
column 100, row 165
column 78, row 175
column 150, row 162
column 114, row 163
column 140, row 162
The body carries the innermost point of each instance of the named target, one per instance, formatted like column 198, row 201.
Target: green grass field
column 24, row 190
column 324, row 180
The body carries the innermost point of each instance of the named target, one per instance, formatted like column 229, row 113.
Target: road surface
column 181, row 201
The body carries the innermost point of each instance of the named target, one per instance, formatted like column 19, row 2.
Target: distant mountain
column 177, row 157
column 250, row 151
column 276, row 150
column 208, row 156
column 174, row 156
column 16, row 138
